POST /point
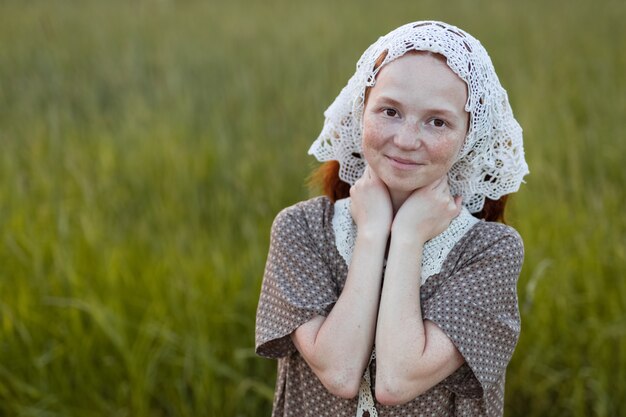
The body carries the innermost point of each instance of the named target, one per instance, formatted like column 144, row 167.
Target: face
column 414, row 121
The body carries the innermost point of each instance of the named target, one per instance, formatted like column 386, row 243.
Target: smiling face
column 414, row 122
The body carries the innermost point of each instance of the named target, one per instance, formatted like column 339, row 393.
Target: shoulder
column 491, row 240
column 314, row 213
column 312, row 206
column 485, row 234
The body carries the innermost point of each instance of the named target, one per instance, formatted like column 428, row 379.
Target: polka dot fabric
column 473, row 300
column 301, row 276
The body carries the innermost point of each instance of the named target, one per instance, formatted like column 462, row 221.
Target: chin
column 403, row 185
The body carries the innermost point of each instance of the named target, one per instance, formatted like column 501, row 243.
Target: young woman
column 395, row 293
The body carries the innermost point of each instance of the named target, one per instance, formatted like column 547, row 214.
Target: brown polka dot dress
column 473, row 300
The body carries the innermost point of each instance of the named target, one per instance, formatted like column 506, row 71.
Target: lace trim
column 435, row 250
column 345, row 229
column 365, row 406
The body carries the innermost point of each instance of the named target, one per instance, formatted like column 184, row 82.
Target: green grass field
column 147, row 145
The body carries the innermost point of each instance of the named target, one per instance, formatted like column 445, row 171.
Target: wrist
column 407, row 237
column 373, row 234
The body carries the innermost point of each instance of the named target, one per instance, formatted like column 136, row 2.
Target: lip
column 402, row 163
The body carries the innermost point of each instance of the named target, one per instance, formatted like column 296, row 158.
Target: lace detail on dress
column 435, row 250
column 365, row 406
column 345, row 229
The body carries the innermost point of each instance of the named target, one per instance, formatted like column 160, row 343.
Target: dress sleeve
column 477, row 308
column 297, row 284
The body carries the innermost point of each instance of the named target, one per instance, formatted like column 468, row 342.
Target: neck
column 397, row 199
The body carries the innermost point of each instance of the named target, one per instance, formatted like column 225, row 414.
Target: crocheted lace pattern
column 435, row 250
column 491, row 161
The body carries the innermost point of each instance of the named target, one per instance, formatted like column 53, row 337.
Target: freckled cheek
column 375, row 133
column 372, row 137
column 444, row 150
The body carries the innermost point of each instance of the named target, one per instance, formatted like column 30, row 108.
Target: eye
column 438, row 122
column 390, row 112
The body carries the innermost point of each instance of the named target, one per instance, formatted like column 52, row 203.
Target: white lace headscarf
column 490, row 163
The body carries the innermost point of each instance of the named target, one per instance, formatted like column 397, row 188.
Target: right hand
column 371, row 204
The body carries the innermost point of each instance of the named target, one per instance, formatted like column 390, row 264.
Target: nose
column 409, row 137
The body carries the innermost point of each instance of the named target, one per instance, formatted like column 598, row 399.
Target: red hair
column 326, row 178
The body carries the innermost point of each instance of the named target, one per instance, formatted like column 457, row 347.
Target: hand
column 371, row 205
column 427, row 212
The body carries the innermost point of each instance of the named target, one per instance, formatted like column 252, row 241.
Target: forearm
column 412, row 355
column 338, row 347
column 400, row 335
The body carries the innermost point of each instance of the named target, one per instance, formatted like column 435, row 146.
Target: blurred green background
column 147, row 145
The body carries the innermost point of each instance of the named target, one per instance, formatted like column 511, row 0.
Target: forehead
column 420, row 75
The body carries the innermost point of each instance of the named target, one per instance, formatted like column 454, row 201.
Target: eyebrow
column 390, row 100
column 437, row 110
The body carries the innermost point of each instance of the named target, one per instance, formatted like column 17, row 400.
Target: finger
column 367, row 173
column 458, row 201
column 371, row 173
column 438, row 183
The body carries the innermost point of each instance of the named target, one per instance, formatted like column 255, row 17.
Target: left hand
column 427, row 212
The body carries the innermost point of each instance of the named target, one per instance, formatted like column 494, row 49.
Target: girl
column 395, row 293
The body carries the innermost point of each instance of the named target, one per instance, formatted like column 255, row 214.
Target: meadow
column 147, row 145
